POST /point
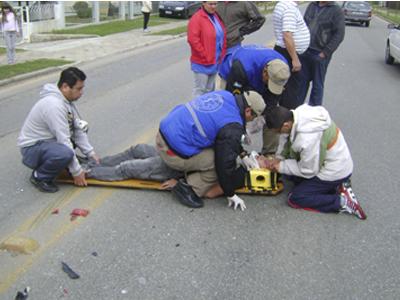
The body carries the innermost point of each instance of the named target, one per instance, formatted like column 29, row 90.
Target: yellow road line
column 33, row 222
column 63, row 230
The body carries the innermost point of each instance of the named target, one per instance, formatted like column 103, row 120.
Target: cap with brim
column 255, row 101
column 278, row 73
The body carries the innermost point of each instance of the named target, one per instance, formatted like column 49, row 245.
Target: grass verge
column 8, row 71
column 174, row 31
column 114, row 26
column 391, row 15
column 3, row 51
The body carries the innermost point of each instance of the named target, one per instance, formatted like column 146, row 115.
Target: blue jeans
column 313, row 68
column 316, row 194
column 48, row 159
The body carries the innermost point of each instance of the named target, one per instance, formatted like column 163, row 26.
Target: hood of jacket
column 309, row 119
column 51, row 89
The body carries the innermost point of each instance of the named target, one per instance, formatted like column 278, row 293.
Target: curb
column 37, row 73
column 49, row 70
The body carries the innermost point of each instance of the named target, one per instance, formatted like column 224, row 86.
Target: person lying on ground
column 143, row 162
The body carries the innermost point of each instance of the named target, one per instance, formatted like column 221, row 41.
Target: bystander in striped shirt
column 287, row 18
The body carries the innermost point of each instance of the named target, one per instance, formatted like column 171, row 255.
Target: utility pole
column 122, row 10
column 131, row 10
column 59, row 12
column 95, row 11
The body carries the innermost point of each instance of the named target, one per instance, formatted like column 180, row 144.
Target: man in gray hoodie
column 53, row 129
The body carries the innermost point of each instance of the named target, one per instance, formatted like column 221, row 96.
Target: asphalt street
column 144, row 245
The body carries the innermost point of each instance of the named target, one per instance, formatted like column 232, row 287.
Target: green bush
column 82, row 9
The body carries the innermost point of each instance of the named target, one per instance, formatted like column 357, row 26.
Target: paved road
column 151, row 247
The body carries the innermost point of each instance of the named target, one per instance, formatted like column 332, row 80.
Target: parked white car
column 392, row 52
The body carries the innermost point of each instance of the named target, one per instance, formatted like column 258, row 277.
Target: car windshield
column 358, row 5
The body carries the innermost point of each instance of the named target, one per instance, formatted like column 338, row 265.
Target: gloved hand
column 236, row 201
column 250, row 162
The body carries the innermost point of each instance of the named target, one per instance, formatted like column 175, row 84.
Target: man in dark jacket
column 325, row 21
column 203, row 138
column 240, row 18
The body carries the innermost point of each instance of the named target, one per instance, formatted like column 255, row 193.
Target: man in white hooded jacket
column 53, row 129
column 314, row 154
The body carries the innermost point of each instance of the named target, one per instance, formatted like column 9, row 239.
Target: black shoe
column 44, row 186
column 186, row 195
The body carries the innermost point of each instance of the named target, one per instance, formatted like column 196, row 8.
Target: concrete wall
column 43, row 26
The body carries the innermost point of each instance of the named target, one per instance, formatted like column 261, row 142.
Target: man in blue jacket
column 203, row 138
column 263, row 70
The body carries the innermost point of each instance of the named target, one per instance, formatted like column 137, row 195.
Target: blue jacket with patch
column 192, row 127
column 213, row 120
column 254, row 58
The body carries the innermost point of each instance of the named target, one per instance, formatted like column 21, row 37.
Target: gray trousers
column 10, row 38
column 203, row 83
column 140, row 162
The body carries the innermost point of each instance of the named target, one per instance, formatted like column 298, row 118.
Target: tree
column 82, row 9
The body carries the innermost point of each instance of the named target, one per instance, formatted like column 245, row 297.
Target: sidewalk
column 87, row 49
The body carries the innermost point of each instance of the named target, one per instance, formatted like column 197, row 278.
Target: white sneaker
column 147, row 30
column 351, row 204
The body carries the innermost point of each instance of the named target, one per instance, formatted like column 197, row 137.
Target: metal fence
column 40, row 11
column 109, row 10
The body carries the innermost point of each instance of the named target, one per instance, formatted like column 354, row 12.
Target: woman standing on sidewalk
column 10, row 28
column 146, row 10
column 207, row 39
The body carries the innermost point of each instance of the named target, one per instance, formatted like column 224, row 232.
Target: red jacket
column 202, row 39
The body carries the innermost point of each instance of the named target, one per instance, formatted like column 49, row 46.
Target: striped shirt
column 287, row 17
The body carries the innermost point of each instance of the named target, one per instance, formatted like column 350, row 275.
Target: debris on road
column 55, row 211
column 69, row 271
column 23, row 295
column 79, row 212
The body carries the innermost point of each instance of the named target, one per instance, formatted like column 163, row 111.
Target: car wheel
column 162, row 14
column 367, row 24
column 388, row 58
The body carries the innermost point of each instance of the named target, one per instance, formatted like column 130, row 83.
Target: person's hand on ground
column 80, row 179
column 169, row 184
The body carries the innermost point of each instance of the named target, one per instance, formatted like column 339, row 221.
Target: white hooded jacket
column 54, row 118
column 305, row 136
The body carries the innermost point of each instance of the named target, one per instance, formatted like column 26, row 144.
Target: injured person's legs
column 152, row 168
column 139, row 151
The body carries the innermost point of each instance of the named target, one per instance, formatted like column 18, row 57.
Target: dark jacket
column 240, row 18
column 228, row 146
column 326, row 25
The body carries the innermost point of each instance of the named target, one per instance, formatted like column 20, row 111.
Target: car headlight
column 179, row 8
column 161, row 6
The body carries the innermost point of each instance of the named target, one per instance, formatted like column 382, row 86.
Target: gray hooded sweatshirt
column 54, row 118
